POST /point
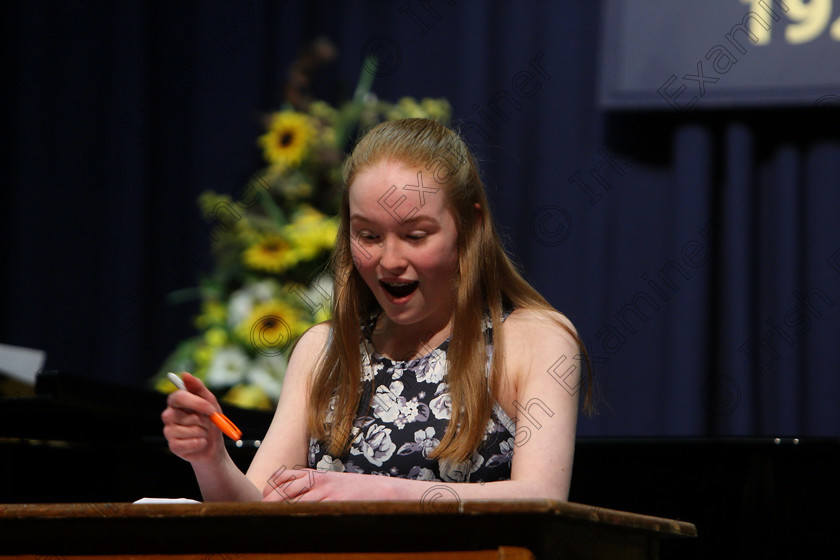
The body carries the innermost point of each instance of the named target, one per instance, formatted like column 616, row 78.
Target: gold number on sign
column 808, row 19
column 811, row 19
column 835, row 30
column 759, row 33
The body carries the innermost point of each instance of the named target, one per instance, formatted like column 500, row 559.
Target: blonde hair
column 487, row 280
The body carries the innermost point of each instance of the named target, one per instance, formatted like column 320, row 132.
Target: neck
column 405, row 342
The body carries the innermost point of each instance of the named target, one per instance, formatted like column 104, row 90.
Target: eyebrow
column 422, row 218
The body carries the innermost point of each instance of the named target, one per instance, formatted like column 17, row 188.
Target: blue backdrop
column 698, row 252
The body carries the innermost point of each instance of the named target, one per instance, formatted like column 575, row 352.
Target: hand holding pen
column 220, row 420
column 191, row 418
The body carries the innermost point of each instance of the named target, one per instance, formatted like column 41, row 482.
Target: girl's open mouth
column 399, row 289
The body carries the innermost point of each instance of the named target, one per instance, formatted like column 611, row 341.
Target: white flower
column 314, row 448
column 506, row 455
column 409, row 410
column 425, row 440
column 368, row 372
column 476, row 461
column 502, row 419
column 436, row 368
column 422, row 473
column 376, row 445
column 262, row 291
column 228, row 367
column 387, row 401
column 239, row 308
column 319, row 295
column 242, row 301
column 327, row 463
column 451, row 471
column 507, row 447
column 441, row 405
column 267, row 373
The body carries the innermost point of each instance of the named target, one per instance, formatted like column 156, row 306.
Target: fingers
column 196, row 387
column 176, row 433
column 275, row 486
column 184, row 424
column 181, row 423
column 288, row 485
column 187, row 426
column 187, row 438
column 184, row 417
column 189, row 449
column 191, row 402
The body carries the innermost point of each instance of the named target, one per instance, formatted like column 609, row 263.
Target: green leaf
column 349, row 116
column 274, row 211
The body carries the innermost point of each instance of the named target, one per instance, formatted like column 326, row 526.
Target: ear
column 478, row 211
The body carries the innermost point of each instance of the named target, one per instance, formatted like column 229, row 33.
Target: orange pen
column 220, row 420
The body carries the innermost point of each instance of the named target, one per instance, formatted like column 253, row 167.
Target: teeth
column 400, row 289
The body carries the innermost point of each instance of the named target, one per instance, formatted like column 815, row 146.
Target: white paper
column 166, row 501
column 21, row 363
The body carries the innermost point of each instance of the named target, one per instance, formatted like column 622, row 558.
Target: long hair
column 487, row 281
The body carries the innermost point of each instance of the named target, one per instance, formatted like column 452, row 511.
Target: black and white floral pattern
column 410, row 408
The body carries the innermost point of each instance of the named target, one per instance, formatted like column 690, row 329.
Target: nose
column 392, row 257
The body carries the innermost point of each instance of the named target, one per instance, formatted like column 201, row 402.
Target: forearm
column 222, row 481
column 430, row 491
column 316, row 485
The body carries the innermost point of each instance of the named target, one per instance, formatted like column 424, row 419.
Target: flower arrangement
column 271, row 245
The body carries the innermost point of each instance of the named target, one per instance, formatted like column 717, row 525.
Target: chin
column 401, row 315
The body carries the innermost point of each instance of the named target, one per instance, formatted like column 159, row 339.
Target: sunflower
column 248, row 396
column 311, row 233
column 287, row 140
column 271, row 253
column 213, row 312
column 271, row 327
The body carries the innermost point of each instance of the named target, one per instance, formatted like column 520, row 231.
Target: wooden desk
column 226, row 531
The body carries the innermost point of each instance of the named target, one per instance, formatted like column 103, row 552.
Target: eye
column 367, row 236
column 417, row 236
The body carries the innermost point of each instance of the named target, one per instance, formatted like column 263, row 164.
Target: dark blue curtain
column 697, row 252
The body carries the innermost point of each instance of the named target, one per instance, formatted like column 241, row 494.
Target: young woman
column 441, row 366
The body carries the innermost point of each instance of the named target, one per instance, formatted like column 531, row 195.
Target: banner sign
column 684, row 55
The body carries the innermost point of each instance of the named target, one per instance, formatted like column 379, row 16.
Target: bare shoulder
column 534, row 340
column 535, row 327
column 309, row 348
column 316, row 335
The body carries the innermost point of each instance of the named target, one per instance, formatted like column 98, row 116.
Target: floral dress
column 408, row 414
